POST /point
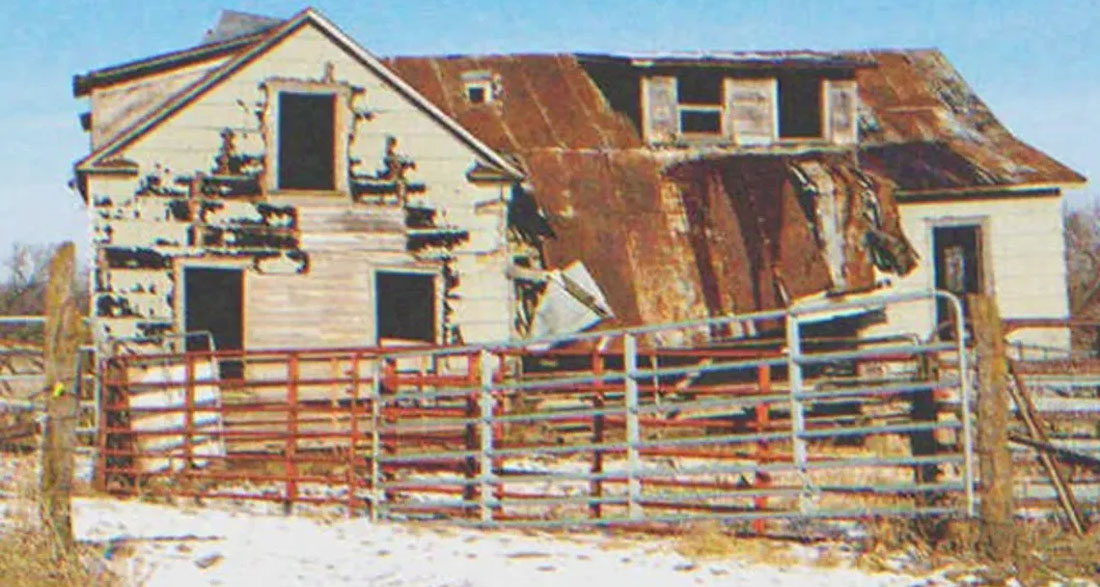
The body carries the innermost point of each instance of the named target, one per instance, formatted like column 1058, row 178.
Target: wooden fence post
column 994, row 458
column 62, row 339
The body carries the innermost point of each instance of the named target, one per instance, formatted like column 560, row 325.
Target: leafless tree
column 23, row 286
column 1082, row 234
column 23, row 291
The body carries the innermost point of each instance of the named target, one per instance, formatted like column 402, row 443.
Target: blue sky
column 1034, row 62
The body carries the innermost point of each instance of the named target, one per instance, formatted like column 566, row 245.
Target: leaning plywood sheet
column 154, row 430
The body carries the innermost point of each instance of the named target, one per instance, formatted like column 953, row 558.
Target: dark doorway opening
column 800, row 106
column 405, row 306
column 214, row 303
column 959, row 270
column 307, row 141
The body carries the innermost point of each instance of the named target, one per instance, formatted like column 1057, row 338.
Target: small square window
column 479, row 91
column 405, row 306
column 476, row 94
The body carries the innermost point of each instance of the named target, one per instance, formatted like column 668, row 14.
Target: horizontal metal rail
column 510, row 434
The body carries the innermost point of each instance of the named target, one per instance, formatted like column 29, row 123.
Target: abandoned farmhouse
column 279, row 186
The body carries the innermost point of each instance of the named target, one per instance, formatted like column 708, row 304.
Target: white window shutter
column 751, row 110
column 841, row 111
column 660, row 123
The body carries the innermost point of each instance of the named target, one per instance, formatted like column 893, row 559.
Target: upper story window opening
column 699, row 98
column 478, row 92
column 307, row 141
column 480, row 87
column 800, row 107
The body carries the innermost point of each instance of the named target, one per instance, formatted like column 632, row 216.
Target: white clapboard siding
column 332, row 302
column 1027, row 235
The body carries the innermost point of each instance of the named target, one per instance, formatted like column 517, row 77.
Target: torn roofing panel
column 706, row 236
column 924, row 127
column 572, row 302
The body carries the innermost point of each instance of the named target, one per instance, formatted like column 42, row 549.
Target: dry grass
column 30, row 554
column 1043, row 552
column 29, row 558
column 709, row 540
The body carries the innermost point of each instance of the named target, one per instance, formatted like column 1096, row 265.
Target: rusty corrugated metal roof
column 924, row 127
column 921, row 125
column 668, row 235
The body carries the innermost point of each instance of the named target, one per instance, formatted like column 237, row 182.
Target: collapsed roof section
column 707, row 236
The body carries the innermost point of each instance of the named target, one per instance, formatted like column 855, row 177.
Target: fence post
column 113, row 377
column 599, row 422
column 61, row 338
column 633, row 435
column 353, row 435
column 485, row 432
column 188, row 416
column 994, row 458
column 291, row 450
column 762, row 479
column 794, row 380
column 376, row 438
column 470, row 463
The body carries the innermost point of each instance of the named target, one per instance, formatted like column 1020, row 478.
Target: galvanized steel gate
column 22, row 381
column 633, row 426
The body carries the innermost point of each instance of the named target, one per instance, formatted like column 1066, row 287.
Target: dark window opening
column 800, row 107
column 405, row 306
column 959, row 270
column 700, row 121
column 307, row 142
column 476, row 94
column 699, row 88
column 214, row 303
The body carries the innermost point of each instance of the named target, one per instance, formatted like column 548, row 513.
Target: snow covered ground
column 165, row 545
column 230, row 544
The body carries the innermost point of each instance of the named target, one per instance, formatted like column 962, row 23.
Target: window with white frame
column 699, row 103
column 480, row 86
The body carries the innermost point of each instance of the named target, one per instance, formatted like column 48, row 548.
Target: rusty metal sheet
column 547, row 101
column 738, row 239
column 926, row 128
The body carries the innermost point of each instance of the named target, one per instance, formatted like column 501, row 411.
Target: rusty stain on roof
column 678, row 234
column 926, row 129
column 668, row 236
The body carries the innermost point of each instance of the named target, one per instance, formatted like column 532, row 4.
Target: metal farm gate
column 22, row 382
column 635, row 426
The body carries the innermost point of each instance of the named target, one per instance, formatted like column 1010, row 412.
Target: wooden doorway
column 214, row 302
column 960, row 269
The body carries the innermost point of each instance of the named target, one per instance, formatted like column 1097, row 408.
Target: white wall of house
column 332, row 303
column 1024, row 252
